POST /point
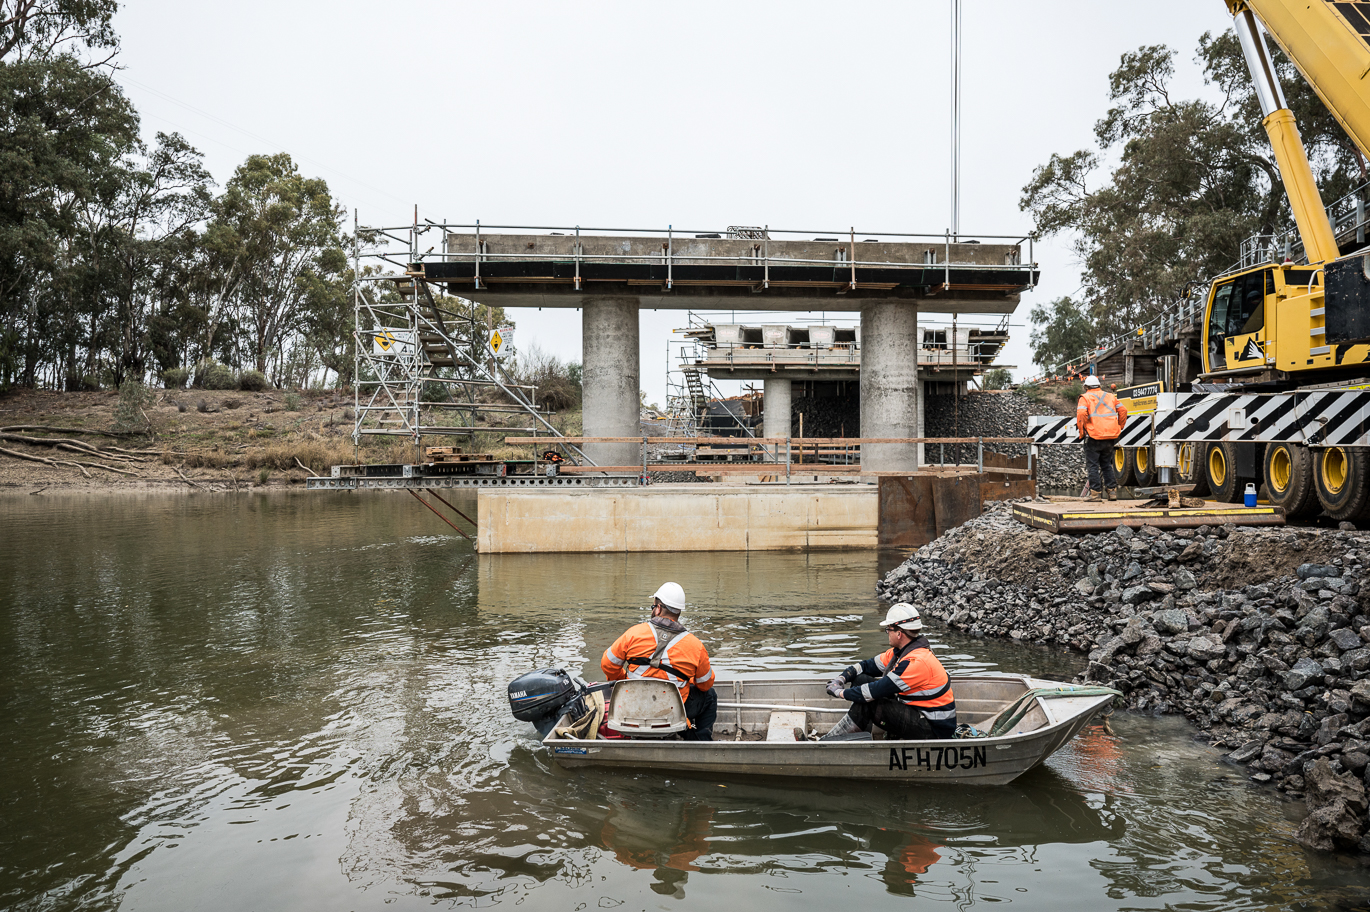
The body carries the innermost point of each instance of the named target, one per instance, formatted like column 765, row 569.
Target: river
column 297, row 701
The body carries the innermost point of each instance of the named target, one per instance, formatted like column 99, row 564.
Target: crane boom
column 1319, row 241
column 1330, row 44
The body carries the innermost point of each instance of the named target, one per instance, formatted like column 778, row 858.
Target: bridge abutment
column 889, row 385
column 611, row 378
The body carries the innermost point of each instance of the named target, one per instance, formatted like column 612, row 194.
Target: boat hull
column 970, row 761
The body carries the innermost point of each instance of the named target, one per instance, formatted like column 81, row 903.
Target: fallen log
column 43, row 459
column 67, row 430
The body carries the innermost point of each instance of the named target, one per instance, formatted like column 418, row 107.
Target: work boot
column 1094, row 497
column 845, row 726
column 1112, row 492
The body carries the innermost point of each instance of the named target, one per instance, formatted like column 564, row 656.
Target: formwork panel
column 1082, row 517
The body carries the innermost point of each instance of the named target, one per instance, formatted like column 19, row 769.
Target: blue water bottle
column 1250, row 497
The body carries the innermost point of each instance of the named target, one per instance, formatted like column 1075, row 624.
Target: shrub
column 1073, row 390
column 133, row 399
column 202, row 405
column 1031, row 392
column 292, row 401
column 252, row 381
column 180, row 406
column 216, row 376
column 263, row 475
column 175, row 377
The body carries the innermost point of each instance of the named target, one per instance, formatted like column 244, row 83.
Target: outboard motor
column 541, row 696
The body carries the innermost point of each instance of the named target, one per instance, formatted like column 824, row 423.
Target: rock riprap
column 1261, row 637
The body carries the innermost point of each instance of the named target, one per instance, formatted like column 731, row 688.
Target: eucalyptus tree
column 1175, row 184
column 279, row 233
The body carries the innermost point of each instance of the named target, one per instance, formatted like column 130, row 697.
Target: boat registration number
column 937, row 758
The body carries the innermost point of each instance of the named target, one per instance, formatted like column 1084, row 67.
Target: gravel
column 1258, row 636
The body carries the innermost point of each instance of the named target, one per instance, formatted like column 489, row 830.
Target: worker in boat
column 663, row 648
column 1099, row 420
column 905, row 690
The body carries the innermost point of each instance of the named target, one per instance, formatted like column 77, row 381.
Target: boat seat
column 781, row 725
column 646, row 708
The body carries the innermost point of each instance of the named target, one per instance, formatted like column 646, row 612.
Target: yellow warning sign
column 385, row 341
column 496, row 341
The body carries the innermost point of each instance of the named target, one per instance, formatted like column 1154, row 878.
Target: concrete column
column 779, row 405
column 611, row 378
column 921, row 421
column 889, row 384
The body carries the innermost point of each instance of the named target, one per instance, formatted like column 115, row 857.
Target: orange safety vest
column 1099, row 415
column 683, row 660
column 923, row 684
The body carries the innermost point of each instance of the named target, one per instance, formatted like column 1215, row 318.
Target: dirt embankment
column 186, row 439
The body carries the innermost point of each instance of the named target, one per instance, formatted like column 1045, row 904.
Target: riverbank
column 188, row 439
column 1257, row 636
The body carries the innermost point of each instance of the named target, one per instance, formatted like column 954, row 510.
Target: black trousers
column 1099, row 456
column 899, row 720
column 701, row 708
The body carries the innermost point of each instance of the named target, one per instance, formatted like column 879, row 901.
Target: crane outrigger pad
column 1080, row 516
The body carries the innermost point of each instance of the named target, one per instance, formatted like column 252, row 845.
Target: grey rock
column 1135, row 595
column 1171, row 621
column 1311, row 571
column 1183, row 579
column 1206, row 648
column 1346, row 639
column 1346, row 526
column 1133, row 571
column 1304, row 672
column 1330, row 827
column 1085, row 587
column 1247, row 752
column 1124, row 533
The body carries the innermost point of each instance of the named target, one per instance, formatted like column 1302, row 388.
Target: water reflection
column 298, row 702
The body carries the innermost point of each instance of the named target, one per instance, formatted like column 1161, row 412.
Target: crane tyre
column 1342, row 479
column 1143, row 466
column 1190, row 470
column 1122, row 466
column 1288, row 472
column 1220, row 466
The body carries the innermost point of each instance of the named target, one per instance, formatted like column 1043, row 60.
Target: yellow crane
column 1285, row 325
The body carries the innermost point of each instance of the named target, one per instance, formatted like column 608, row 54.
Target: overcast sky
column 701, row 115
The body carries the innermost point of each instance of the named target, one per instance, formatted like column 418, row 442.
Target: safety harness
column 661, row 646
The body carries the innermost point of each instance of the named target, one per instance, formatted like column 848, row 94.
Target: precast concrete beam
column 611, row 378
column 778, row 407
column 889, row 385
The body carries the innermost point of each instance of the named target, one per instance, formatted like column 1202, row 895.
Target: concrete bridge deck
column 680, row 273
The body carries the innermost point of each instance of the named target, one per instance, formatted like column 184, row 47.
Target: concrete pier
column 889, row 384
column 777, row 408
column 611, row 378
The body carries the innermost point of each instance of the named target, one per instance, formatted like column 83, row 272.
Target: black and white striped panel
column 1322, row 418
column 1048, row 429
column 1137, row 432
column 1336, row 418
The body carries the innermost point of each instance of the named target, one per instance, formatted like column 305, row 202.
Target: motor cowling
column 540, row 696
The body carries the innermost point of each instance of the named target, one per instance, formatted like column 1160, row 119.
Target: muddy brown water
column 297, row 701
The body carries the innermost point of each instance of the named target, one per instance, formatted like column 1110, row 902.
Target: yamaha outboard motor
column 541, row 696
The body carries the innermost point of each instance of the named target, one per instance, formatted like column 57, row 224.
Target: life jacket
column 922, row 681
column 664, row 651
column 1099, row 411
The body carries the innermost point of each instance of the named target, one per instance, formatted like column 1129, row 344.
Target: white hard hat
column 1091, row 381
column 904, row 616
column 672, row 596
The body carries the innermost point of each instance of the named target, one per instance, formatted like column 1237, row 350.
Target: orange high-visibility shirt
column 1100, row 415
column 922, row 682
column 683, row 652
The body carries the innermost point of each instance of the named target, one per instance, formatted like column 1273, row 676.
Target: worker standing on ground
column 1100, row 420
column 662, row 648
column 904, row 690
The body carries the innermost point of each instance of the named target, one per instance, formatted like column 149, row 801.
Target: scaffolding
column 425, row 363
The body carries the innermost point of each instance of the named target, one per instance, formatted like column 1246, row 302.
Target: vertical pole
column 577, row 252
column 644, row 460
column 356, row 339
column 670, row 254
column 787, row 460
column 478, row 254
column 852, row 252
column 980, row 455
column 766, row 256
